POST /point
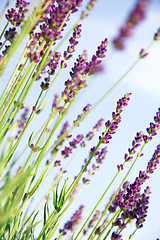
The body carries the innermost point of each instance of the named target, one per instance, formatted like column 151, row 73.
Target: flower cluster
column 77, row 82
column 92, row 66
column 73, row 222
column 81, row 69
column 10, row 34
column 16, row 17
column 83, row 115
column 102, row 226
column 89, row 7
column 90, row 134
column 63, row 131
column 99, row 156
column 134, row 204
column 157, row 35
column 52, row 65
column 110, row 129
column 73, row 42
column 143, row 53
column 116, row 236
column 73, row 144
column 135, row 144
column 152, row 164
column 22, row 121
column 115, row 203
column 136, row 16
column 111, row 126
column 92, row 221
column 54, row 23
column 152, row 130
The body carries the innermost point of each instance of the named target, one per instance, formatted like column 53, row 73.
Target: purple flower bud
column 142, row 53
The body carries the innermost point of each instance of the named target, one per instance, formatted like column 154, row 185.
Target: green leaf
column 58, row 202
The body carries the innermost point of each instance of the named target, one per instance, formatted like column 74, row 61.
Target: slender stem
column 39, row 158
column 4, row 10
column 11, row 83
column 121, row 78
column 4, row 29
column 111, row 221
column 131, row 236
column 25, row 29
column 13, row 96
column 113, row 197
column 96, row 206
column 54, row 214
column 75, row 182
column 17, row 105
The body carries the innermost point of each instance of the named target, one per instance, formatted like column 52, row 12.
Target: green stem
column 4, row 29
column 96, row 206
column 39, row 158
column 25, row 29
column 17, row 142
column 4, row 10
column 18, row 104
column 52, row 216
column 113, row 197
column 15, row 93
column 111, row 221
column 11, row 83
column 75, row 182
column 123, row 76
column 131, row 236
column 26, row 162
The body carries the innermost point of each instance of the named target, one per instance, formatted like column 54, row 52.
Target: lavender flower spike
column 116, row 118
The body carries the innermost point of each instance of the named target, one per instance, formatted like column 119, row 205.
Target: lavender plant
column 42, row 137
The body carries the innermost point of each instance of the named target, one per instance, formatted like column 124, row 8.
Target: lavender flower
column 135, row 144
column 133, row 204
column 10, row 34
column 16, row 17
column 90, row 135
column 63, row 131
column 116, row 118
column 115, row 203
column 89, row 7
column 157, row 35
column 54, row 23
column 23, row 121
column 135, row 17
column 73, row 41
column 152, row 164
column 143, row 53
column 74, row 221
column 73, row 144
column 91, row 67
column 77, row 82
column 152, row 130
column 116, row 236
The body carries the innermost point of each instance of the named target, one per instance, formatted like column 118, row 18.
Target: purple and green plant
column 42, row 137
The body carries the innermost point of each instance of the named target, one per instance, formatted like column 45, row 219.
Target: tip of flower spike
column 143, row 53
column 120, row 167
column 85, row 180
column 157, row 35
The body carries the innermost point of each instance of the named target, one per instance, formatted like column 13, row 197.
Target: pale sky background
column 144, row 84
